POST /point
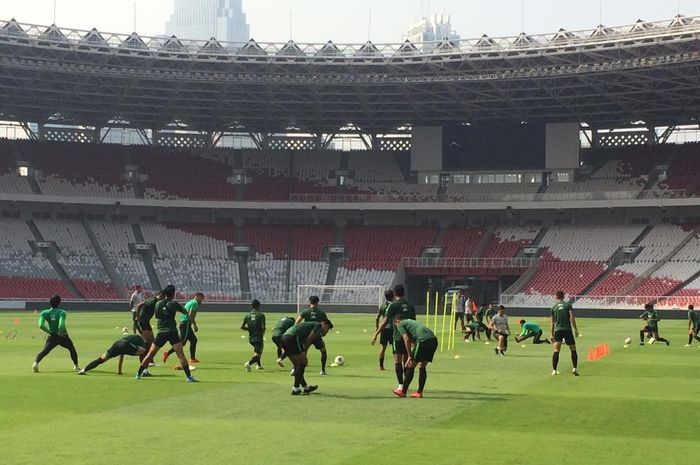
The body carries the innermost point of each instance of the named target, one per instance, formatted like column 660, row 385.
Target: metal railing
column 488, row 197
column 429, row 262
column 617, row 302
column 480, row 47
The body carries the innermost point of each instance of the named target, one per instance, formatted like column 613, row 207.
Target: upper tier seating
column 375, row 167
column 508, row 240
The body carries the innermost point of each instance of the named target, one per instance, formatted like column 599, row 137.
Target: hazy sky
column 348, row 20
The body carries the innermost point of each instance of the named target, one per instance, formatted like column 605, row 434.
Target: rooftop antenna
column 369, row 25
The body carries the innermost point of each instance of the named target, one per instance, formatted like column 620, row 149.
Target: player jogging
column 254, row 323
column 500, row 328
column 166, row 309
column 52, row 321
column 296, row 342
column 420, row 344
column 651, row 328
column 560, row 331
column 134, row 301
column 315, row 314
column 693, row 325
column 403, row 310
column 387, row 335
column 131, row 344
column 282, row 325
column 531, row 330
column 188, row 328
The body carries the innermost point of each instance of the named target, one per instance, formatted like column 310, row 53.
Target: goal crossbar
column 345, row 294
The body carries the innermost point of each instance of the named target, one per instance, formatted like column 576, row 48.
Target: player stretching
column 52, row 321
column 315, row 314
column 254, row 323
column 693, row 325
column 652, row 326
column 480, row 314
column 282, row 325
column 500, row 328
column 560, row 331
column 531, row 330
column 144, row 313
column 188, row 328
column 387, row 335
column 424, row 343
column 134, row 302
column 131, row 344
column 166, row 310
column 403, row 310
column 296, row 342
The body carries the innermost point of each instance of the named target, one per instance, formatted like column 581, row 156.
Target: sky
column 352, row 20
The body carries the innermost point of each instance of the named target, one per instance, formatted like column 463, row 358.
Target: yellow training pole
column 444, row 315
column 427, row 308
column 437, row 303
column 454, row 322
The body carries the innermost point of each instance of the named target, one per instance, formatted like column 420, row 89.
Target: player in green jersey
column 651, row 328
column 531, row 330
column 311, row 314
column 166, row 309
column 420, row 344
column 296, row 342
column 472, row 331
column 480, row 315
column 52, row 321
column 131, row 344
column 404, row 310
column 188, row 327
column 693, row 325
column 388, row 334
column 282, row 325
column 254, row 323
column 562, row 320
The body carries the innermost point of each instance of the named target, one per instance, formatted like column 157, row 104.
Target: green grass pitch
column 637, row 405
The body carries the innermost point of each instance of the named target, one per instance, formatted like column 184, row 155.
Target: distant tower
column 203, row 19
column 430, row 29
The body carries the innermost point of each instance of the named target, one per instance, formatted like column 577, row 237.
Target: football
column 628, row 340
column 340, row 360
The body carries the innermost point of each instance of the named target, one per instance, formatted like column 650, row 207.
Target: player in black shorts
column 132, row 344
column 693, row 325
column 166, row 310
column 144, row 314
column 562, row 322
column 296, row 342
column 420, row 343
column 387, row 335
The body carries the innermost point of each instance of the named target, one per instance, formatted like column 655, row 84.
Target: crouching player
column 531, row 330
column 421, row 344
column 296, row 342
column 282, row 325
column 132, row 344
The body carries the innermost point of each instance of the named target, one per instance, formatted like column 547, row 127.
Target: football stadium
column 475, row 250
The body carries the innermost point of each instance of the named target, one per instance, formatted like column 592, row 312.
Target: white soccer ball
column 125, row 330
column 628, row 340
column 340, row 360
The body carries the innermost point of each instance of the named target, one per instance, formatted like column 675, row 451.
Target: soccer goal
column 340, row 295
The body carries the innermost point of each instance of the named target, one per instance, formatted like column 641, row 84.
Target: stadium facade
column 471, row 169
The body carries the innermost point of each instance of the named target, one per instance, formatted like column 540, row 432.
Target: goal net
column 372, row 296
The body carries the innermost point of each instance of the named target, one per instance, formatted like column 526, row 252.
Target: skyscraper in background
column 204, row 19
column 430, row 29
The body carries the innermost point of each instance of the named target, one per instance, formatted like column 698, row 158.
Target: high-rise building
column 204, row 19
column 430, row 29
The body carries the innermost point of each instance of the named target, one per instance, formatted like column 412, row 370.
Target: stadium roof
column 607, row 76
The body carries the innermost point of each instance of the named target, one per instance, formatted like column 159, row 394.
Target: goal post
column 350, row 295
